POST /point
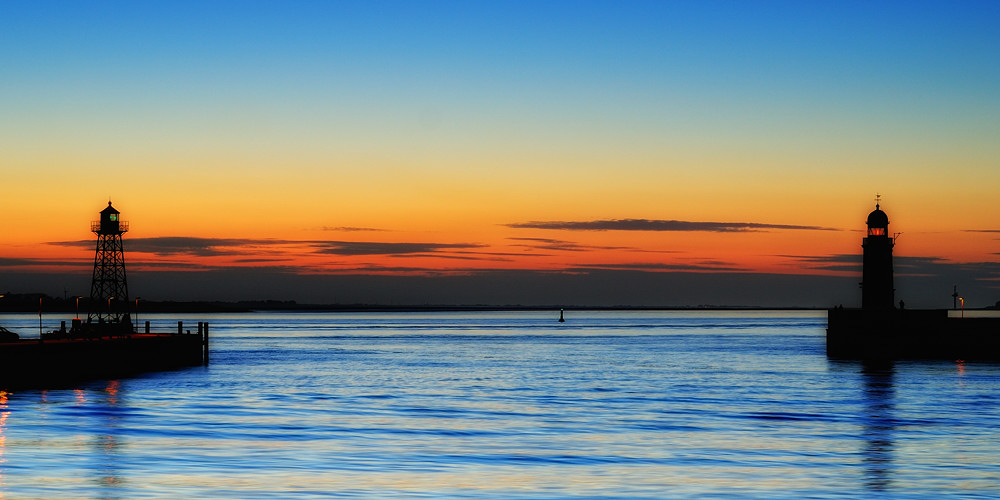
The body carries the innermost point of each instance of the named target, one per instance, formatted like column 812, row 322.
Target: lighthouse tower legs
column 109, row 286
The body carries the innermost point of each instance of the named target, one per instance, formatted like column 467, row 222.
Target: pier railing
column 95, row 226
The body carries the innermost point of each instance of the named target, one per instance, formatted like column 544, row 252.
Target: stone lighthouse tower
column 877, row 292
column 109, row 288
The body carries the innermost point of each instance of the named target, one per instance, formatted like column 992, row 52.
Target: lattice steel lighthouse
column 109, row 288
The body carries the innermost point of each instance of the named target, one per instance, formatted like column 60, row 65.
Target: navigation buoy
column 561, row 320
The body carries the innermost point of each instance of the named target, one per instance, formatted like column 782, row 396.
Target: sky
column 588, row 153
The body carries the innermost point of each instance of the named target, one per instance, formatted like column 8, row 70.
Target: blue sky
column 452, row 124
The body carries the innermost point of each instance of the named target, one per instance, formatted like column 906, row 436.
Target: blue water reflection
column 511, row 405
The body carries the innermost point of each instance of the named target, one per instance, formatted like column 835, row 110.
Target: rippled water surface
column 511, row 405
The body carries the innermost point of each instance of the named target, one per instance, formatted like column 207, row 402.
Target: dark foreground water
column 511, row 405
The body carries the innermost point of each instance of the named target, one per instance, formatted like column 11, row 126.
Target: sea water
column 664, row 404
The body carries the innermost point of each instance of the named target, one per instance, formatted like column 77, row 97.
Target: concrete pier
column 65, row 359
column 910, row 334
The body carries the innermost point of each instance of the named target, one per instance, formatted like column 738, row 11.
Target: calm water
column 511, row 405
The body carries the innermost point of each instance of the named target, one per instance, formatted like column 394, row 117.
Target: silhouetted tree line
column 33, row 302
column 29, row 302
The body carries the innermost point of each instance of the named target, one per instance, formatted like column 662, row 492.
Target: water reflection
column 99, row 410
column 879, row 424
column 4, row 413
column 107, row 442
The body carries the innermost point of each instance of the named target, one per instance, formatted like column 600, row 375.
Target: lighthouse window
column 876, row 231
column 113, row 217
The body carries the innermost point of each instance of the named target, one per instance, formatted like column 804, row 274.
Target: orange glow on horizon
column 497, row 246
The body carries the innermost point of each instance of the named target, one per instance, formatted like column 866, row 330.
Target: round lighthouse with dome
column 877, row 292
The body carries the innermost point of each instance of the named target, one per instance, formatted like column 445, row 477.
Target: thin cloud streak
column 25, row 262
column 351, row 248
column 560, row 245
column 655, row 267
column 843, row 263
column 455, row 256
column 185, row 245
column 350, row 229
column 905, row 266
column 215, row 247
column 660, row 225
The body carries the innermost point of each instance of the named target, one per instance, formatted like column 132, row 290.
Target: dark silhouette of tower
column 879, row 332
column 109, row 288
column 877, row 291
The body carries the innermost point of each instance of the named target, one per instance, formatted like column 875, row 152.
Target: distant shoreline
column 29, row 303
